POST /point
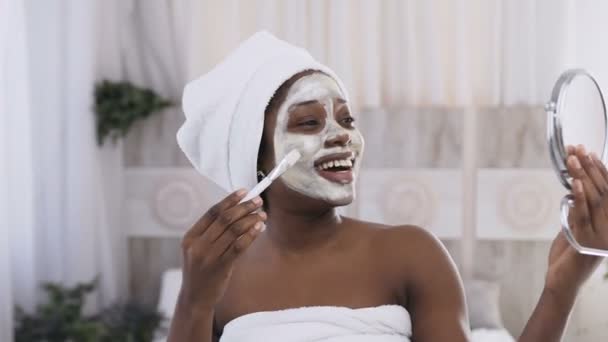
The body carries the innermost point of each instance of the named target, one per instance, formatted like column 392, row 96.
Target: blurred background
column 449, row 95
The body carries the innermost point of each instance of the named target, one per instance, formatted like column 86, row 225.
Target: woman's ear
column 261, row 174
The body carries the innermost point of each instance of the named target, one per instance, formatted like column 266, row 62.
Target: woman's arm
column 191, row 324
column 568, row 269
column 434, row 290
column 209, row 251
column 435, row 295
column 567, row 272
column 548, row 321
column 436, row 299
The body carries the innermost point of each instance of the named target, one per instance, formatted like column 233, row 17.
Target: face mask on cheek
column 305, row 176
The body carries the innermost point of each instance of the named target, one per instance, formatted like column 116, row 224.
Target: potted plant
column 118, row 105
column 61, row 319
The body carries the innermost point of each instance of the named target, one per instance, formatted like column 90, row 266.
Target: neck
column 301, row 230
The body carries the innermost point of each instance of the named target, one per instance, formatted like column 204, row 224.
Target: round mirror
column 576, row 115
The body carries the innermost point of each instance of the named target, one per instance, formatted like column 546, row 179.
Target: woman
column 312, row 269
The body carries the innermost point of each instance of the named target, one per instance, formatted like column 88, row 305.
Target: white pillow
column 482, row 301
column 169, row 290
column 486, row 335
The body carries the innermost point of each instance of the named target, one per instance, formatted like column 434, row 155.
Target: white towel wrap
column 225, row 107
column 387, row 323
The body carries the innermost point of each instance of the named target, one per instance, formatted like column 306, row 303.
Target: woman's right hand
column 212, row 245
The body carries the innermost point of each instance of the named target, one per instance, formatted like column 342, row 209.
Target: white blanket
column 388, row 323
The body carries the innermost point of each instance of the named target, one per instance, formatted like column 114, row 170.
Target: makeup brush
column 290, row 159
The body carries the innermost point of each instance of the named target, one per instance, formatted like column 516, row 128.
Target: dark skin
column 309, row 255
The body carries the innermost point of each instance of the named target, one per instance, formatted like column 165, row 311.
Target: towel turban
column 224, row 108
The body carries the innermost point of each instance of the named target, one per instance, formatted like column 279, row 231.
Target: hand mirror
column 576, row 115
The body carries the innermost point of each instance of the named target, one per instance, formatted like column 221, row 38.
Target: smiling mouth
column 337, row 168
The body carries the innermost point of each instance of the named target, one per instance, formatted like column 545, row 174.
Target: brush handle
column 275, row 173
column 257, row 189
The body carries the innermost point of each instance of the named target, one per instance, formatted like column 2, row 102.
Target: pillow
column 169, row 291
column 485, row 335
column 482, row 301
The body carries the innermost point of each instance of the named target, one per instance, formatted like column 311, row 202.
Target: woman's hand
column 568, row 269
column 588, row 220
column 211, row 246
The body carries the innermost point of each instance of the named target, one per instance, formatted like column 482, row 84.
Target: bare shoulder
column 426, row 276
column 407, row 249
column 402, row 241
column 414, row 237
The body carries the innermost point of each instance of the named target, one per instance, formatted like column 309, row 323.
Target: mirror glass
column 581, row 114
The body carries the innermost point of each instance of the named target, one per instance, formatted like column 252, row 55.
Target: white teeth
column 336, row 163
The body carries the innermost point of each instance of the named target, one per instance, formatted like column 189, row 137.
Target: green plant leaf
column 118, row 105
column 61, row 319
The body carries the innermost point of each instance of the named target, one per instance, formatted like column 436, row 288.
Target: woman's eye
column 309, row 123
column 348, row 120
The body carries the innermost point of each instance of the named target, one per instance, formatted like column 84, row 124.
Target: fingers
column 581, row 167
column 237, row 230
column 581, row 218
column 576, row 171
column 600, row 165
column 590, row 195
column 226, row 218
column 240, row 245
column 570, row 150
column 596, row 177
column 212, row 214
column 597, row 199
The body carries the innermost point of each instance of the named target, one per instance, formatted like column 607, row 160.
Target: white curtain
column 154, row 49
column 54, row 197
column 406, row 52
column 16, row 176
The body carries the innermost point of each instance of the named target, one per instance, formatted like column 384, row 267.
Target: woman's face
column 315, row 119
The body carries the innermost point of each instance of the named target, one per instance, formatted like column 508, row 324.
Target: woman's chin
column 337, row 200
column 332, row 194
column 330, row 199
column 340, row 202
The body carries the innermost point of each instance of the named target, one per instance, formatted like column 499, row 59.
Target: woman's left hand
column 588, row 220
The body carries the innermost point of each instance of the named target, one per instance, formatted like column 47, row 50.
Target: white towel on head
column 387, row 323
column 225, row 108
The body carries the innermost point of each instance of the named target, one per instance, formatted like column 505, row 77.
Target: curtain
column 397, row 53
column 73, row 234
column 154, row 48
column 16, row 176
column 61, row 219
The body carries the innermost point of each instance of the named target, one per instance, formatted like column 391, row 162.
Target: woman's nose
column 338, row 140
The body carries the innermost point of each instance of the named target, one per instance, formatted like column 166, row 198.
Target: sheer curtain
column 16, row 177
column 54, row 199
column 406, row 52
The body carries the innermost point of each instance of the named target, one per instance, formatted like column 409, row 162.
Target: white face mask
column 319, row 173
